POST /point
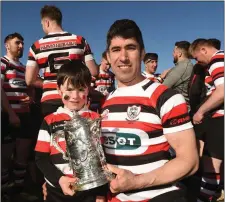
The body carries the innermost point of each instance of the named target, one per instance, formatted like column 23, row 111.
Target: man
column 50, row 52
column 15, row 112
column 206, row 53
column 178, row 77
column 102, row 85
column 151, row 64
column 140, row 125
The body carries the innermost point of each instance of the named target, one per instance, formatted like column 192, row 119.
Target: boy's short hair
column 76, row 73
column 126, row 29
column 151, row 56
column 12, row 36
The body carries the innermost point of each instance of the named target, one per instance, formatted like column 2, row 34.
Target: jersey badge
column 133, row 112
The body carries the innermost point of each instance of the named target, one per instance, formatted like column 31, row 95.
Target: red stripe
column 130, row 124
column 76, row 57
column 49, row 85
column 77, row 41
column 216, row 71
column 42, row 60
column 155, row 95
column 127, row 100
column 51, row 97
column 156, row 148
column 175, row 112
column 52, row 118
column 62, row 145
column 217, row 56
column 48, row 74
column 42, row 146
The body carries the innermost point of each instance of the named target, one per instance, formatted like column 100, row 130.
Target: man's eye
column 81, row 89
column 70, row 89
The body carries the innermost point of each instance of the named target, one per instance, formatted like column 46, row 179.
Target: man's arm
column 93, row 67
column 215, row 100
column 185, row 164
column 31, row 77
column 174, row 75
column 13, row 118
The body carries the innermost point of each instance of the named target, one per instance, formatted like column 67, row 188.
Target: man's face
column 124, row 55
column 200, row 55
column 151, row 66
column 73, row 98
column 15, row 47
column 176, row 53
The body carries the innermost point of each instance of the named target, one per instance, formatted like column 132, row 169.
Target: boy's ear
column 59, row 91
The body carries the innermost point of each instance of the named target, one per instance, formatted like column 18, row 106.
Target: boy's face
column 73, row 98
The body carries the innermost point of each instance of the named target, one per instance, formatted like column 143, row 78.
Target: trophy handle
column 95, row 129
column 55, row 136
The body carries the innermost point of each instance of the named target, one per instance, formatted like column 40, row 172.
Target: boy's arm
column 42, row 157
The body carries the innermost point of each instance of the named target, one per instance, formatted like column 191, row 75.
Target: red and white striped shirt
column 216, row 71
column 14, row 85
column 136, row 121
column 44, row 146
column 51, row 52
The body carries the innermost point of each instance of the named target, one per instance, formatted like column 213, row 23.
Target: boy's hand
column 66, row 185
column 100, row 199
column 44, row 190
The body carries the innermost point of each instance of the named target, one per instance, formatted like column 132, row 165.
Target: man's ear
column 142, row 54
column 6, row 46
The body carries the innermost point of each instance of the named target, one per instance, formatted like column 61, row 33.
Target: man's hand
column 26, row 101
column 124, row 181
column 165, row 72
column 14, row 119
column 197, row 118
column 44, row 190
column 66, row 185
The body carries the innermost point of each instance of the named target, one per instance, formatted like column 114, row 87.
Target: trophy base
column 91, row 184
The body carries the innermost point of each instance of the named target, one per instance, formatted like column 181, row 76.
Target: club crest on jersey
column 133, row 112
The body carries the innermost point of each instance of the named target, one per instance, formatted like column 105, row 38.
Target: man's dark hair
column 151, row 56
column 104, row 55
column 184, row 46
column 53, row 13
column 12, row 36
column 126, row 29
column 77, row 74
column 215, row 42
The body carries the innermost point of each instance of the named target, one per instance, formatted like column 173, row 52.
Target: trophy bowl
column 84, row 152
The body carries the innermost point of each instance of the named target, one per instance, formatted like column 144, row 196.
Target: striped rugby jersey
column 50, row 52
column 105, row 81
column 153, row 77
column 56, row 165
column 136, row 119
column 216, row 71
column 14, row 85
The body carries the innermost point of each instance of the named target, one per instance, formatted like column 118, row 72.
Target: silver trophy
column 84, row 152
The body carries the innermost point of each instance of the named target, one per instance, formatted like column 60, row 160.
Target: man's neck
column 182, row 59
column 11, row 57
column 55, row 29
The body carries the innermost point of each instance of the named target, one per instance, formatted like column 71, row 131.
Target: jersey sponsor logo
column 122, row 141
column 179, row 121
column 133, row 112
column 17, row 83
column 57, row 45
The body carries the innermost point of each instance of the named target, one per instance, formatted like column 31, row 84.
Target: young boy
column 73, row 82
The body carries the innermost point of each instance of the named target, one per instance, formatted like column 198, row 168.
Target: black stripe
column 58, row 159
column 166, row 95
column 177, row 121
column 57, row 35
column 48, row 89
column 137, row 160
column 218, row 75
column 49, row 78
column 154, row 134
column 215, row 61
column 211, row 187
column 149, row 188
column 147, row 85
column 20, row 90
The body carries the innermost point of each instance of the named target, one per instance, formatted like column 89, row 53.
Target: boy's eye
column 70, row 89
column 81, row 89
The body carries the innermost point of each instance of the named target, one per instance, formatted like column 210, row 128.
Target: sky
column 162, row 23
